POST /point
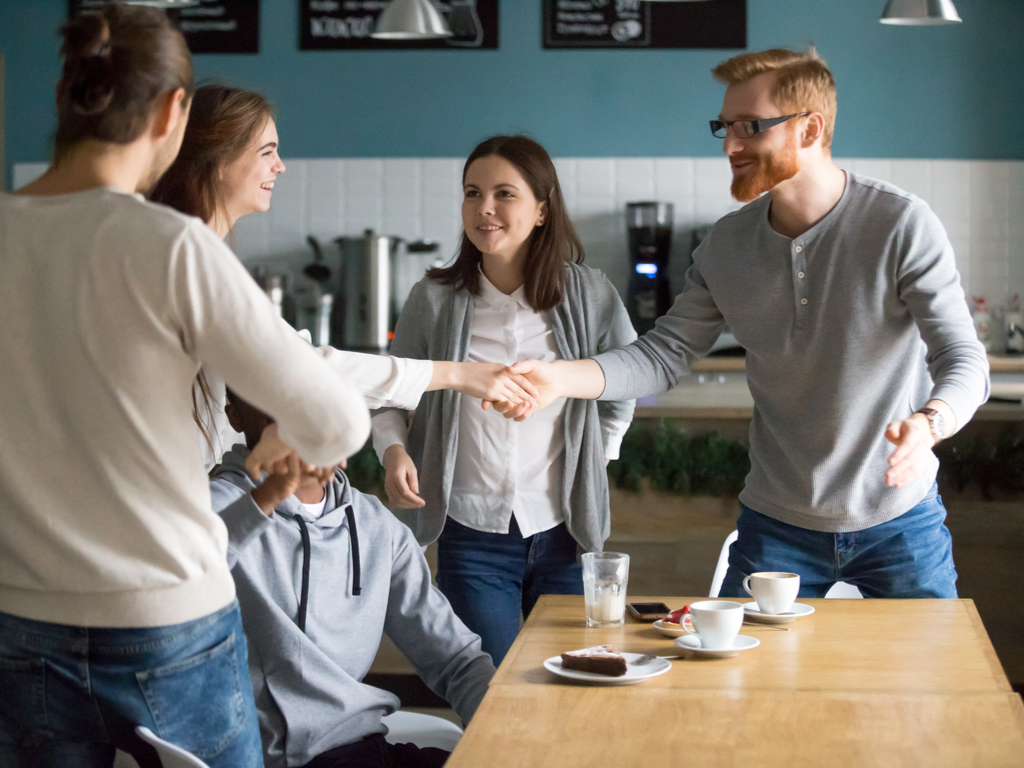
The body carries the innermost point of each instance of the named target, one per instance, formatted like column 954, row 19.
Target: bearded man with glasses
column 861, row 353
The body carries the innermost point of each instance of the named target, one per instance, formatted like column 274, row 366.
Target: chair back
column 170, row 755
column 421, row 730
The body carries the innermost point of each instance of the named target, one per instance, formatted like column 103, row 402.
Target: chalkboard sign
column 212, row 26
column 638, row 24
column 343, row 25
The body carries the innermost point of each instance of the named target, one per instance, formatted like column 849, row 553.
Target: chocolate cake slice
column 601, row 660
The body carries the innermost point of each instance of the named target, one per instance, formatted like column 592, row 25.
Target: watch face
column 939, row 424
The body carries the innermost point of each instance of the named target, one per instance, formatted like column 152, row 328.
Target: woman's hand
column 401, row 481
column 268, row 454
column 279, row 485
column 543, row 377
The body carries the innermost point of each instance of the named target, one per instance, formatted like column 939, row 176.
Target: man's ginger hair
column 803, row 82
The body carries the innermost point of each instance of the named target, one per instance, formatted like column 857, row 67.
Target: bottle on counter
column 982, row 321
column 1014, row 326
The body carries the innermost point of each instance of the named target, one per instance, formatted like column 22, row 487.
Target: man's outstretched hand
column 914, row 441
column 543, row 377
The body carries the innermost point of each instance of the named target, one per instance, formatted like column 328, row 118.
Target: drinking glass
column 604, row 587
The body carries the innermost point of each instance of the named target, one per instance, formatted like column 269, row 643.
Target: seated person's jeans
column 375, row 752
column 910, row 556
column 489, row 578
column 70, row 695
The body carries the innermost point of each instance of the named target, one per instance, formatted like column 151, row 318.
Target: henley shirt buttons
column 803, row 301
column 800, row 275
column 798, row 248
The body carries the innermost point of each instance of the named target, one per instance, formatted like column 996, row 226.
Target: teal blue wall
column 930, row 92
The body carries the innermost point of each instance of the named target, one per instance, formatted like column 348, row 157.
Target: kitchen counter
column 718, row 390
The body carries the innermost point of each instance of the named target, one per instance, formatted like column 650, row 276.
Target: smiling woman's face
column 247, row 182
column 499, row 210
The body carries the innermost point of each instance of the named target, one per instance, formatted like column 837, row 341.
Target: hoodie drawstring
column 306, row 549
column 356, row 589
column 304, row 595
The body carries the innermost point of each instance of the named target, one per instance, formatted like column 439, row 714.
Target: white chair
column 422, row 730
column 403, row 728
column 170, row 755
column 840, row 589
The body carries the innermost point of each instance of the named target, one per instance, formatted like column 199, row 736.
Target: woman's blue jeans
column 910, row 556
column 70, row 695
column 489, row 578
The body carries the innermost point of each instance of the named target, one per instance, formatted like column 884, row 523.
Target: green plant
column 702, row 465
column 365, row 472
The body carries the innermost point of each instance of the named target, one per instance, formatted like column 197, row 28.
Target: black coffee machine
column 649, row 227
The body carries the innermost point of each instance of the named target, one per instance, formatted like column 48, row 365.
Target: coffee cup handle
column 683, row 625
column 746, row 586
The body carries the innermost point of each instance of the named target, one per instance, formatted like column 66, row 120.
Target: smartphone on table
column 647, row 611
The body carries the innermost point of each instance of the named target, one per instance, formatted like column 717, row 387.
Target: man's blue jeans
column 490, row 577
column 70, row 695
column 908, row 557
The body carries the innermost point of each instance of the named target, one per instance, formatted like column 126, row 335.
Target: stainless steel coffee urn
column 364, row 306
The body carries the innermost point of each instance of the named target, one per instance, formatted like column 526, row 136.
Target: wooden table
column 886, row 683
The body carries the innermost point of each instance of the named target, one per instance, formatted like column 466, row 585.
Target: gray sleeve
column 660, row 358
column 243, row 518
column 929, row 285
column 446, row 655
column 412, row 331
column 616, row 332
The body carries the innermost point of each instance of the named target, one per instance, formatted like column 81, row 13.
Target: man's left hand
column 914, row 441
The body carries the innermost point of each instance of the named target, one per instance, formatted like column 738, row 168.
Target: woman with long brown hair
column 225, row 170
column 511, row 502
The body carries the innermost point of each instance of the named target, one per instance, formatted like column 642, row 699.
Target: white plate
column 740, row 644
column 634, row 673
column 669, row 630
column 753, row 611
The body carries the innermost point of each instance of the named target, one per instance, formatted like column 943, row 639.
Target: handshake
column 516, row 391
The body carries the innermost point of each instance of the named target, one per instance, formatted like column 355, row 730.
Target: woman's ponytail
column 117, row 63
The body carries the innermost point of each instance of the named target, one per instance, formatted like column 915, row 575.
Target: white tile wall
column 981, row 204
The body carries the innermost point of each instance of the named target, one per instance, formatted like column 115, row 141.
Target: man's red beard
column 767, row 172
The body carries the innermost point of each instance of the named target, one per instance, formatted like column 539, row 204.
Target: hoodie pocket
column 197, row 703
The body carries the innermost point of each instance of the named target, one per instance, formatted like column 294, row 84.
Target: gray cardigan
column 435, row 325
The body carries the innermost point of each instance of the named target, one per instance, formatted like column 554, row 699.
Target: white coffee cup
column 715, row 622
column 774, row 591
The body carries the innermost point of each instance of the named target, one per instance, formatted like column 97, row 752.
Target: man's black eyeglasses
column 746, row 129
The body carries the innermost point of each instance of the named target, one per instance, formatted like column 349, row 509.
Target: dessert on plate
column 601, row 660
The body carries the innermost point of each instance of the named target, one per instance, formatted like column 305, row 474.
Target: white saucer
column 753, row 611
column 740, row 644
column 634, row 673
column 667, row 630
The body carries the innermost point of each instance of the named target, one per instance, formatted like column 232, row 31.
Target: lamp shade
column 165, row 4
column 411, row 20
column 920, row 12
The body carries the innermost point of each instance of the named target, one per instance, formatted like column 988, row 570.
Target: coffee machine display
column 649, row 228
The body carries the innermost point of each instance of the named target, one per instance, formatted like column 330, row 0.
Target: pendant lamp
column 411, row 20
column 920, row 12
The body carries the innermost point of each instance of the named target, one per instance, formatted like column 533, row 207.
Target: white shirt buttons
column 800, row 275
column 803, row 301
column 798, row 248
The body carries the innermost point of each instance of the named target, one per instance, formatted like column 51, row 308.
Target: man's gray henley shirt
column 855, row 323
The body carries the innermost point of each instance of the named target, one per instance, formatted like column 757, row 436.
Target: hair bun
column 88, row 66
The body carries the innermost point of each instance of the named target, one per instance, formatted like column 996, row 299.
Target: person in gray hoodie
column 321, row 573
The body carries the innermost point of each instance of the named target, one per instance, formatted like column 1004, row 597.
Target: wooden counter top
column 717, row 389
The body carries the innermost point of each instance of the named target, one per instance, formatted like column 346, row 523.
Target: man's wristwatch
column 936, row 421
